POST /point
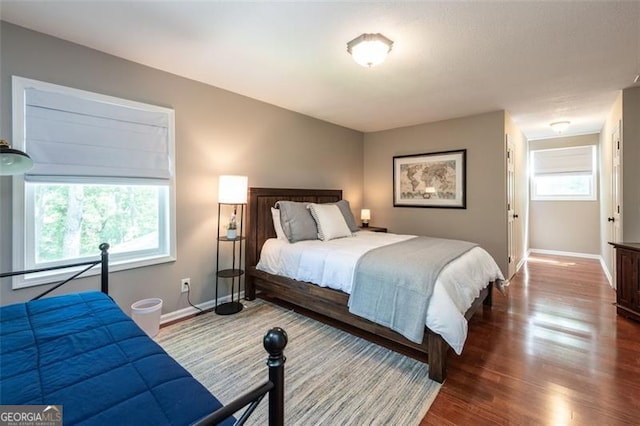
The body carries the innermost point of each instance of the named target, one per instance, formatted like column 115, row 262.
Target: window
column 564, row 173
column 102, row 173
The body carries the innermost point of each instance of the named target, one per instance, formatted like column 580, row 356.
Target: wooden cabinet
column 628, row 279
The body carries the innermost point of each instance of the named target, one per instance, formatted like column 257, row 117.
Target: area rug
column 331, row 377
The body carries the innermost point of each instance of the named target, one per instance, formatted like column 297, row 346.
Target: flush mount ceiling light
column 369, row 50
column 560, row 126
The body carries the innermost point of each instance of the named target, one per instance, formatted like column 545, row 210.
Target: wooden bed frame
column 325, row 301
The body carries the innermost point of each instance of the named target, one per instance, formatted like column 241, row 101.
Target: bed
column 333, row 303
column 81, row 354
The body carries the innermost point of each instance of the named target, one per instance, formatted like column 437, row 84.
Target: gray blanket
column 393, row 284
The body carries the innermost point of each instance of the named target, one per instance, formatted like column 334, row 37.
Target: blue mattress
column 82, row 352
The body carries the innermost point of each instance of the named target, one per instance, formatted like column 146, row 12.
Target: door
column 615, row 219
column 511, row 214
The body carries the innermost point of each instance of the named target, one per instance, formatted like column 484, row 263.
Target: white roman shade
column 69, row 135
column 574, row 160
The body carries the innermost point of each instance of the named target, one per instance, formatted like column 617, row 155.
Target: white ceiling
column 541, row 61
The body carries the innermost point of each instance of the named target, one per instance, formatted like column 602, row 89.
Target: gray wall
column 631, row 164
column 217, row 132
column 626, row 110
column 569, row 226
column 484, row 220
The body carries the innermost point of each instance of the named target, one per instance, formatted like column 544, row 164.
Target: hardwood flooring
column 551, row 352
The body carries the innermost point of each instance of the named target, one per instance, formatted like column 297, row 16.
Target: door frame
column 615, row 219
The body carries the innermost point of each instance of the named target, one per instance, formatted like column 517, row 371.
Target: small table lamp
column 365, row 216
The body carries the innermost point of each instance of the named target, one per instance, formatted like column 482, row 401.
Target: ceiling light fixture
column 13, row 161
column 560, row 126
column 369, row 50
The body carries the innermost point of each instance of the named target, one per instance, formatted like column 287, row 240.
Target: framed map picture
column 437, row 179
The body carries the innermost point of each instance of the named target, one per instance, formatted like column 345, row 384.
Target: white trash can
column 146, row 313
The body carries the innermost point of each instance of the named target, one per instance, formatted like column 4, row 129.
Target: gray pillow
column 344, row 207
column 297, row 222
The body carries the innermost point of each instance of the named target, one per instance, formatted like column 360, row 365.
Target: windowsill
column 43, row 278
column 564, row 199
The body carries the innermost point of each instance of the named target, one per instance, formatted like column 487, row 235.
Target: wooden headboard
column 260, row 222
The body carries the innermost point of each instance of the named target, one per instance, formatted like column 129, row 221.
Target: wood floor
column 551, row 352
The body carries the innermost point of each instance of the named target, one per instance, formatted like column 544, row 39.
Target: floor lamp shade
column 232, row 189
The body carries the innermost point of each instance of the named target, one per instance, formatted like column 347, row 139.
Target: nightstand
column 373, row 228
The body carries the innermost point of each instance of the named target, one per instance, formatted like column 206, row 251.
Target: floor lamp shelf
column 233, row 240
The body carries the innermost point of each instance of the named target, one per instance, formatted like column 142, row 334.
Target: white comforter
column 332, row 264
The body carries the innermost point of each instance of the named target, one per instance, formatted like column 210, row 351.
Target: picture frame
column 437, row 179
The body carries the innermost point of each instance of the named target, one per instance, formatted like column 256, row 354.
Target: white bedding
column 332, row 264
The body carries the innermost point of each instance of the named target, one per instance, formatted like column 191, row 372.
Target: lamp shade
column 232, row 189
column 369, row 50
column 13, row 161
column 365, row 214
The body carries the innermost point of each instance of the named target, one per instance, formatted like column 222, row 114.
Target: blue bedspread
column 82, row 352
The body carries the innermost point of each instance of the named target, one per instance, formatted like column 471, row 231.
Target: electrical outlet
column 184, row 285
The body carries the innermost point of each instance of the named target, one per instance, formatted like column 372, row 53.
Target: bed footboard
column 333, row 304
column 104, row 271
column 274, row 342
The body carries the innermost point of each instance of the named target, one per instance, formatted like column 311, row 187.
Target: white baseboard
column 566, row 253
column 606, row 272
column 522, row 261
column 186, row 312
column 518, row 266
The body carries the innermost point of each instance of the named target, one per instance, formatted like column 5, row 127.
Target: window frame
column 593, row 194
column 20, row 203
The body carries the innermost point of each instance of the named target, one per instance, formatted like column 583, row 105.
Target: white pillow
column 330, row 221
column 275, row 214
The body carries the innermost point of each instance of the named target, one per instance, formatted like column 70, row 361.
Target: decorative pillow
column 297, row 222
column 275, row 213
column 330, row 221
column 345, row 209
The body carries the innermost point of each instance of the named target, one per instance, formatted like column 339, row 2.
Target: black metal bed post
column 104, row 274
column 274, row 342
